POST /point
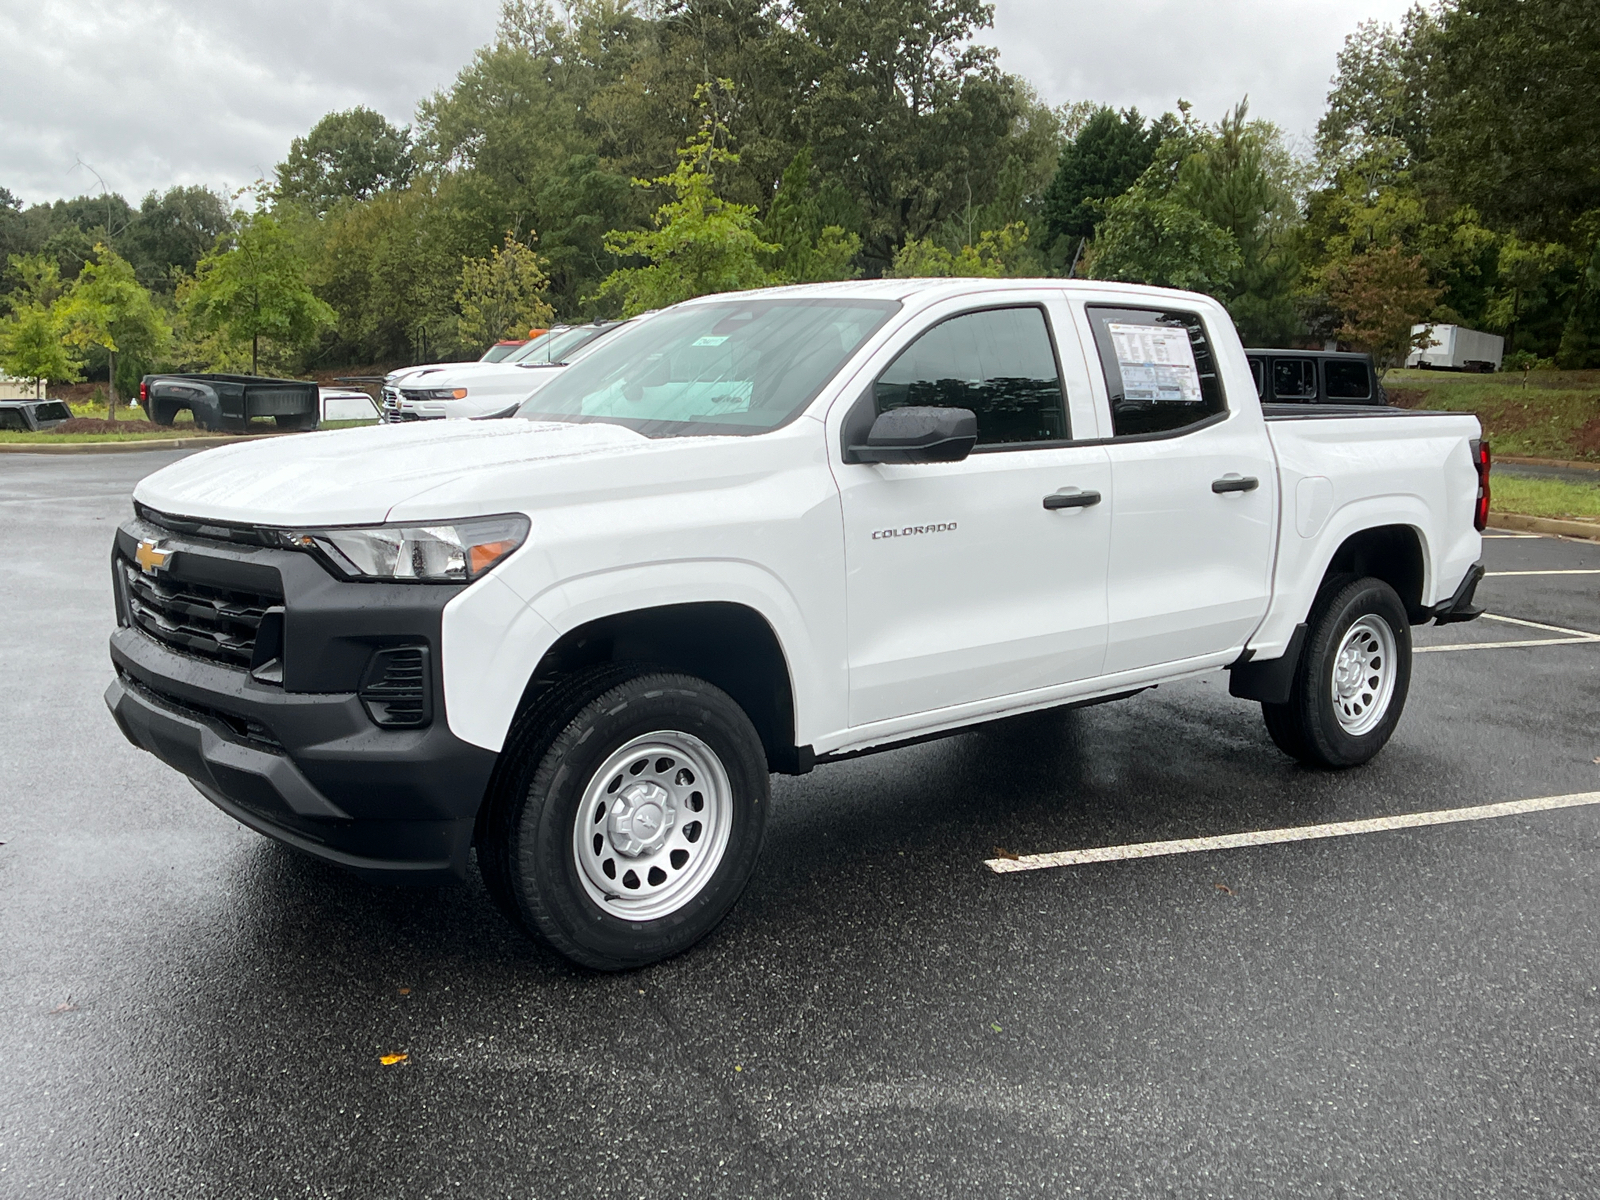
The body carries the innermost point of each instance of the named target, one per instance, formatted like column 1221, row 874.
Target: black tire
column 1309, row 727
column 163, row 412
column 296, row 422
column 551, row 770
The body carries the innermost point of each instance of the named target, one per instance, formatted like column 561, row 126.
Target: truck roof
column 935, row 289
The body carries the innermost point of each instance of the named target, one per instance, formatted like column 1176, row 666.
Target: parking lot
column 190, row 1010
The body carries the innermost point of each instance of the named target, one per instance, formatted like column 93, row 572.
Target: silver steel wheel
column 652, row 825
column 1364, row 671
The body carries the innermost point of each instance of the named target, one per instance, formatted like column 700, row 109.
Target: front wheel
column 1351, row 684
column 623, row 829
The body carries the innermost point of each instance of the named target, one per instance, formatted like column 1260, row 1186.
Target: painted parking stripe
column 1296, row 833
column 1570, row 637
column 1500, row 574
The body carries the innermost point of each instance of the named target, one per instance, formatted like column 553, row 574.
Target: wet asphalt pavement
column 189, row 1010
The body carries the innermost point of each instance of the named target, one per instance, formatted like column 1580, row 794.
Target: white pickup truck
column 757, row 533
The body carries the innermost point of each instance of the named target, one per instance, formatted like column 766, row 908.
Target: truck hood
column 513, row 380
column 356, row 476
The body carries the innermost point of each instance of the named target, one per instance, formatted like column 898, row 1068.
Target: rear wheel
column 628, row 818
column 163, row 412
column 1351, row 684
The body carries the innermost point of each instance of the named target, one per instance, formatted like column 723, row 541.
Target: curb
column 1547, row 462
column 1589, row 530
column 186, row 443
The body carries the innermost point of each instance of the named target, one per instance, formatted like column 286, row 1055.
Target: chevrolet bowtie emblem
column 151, row 557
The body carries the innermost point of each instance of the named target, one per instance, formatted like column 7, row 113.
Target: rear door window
column 1294, row 379
column 1000, row 363
column 1348, row 379
column 54, row 411
column 1161, row 374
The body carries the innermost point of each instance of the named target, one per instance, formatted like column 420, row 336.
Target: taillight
column 1480, row 459
column 144, row 391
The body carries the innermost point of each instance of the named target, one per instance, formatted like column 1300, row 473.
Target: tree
column 1514, row 128
column 1104, row 160
column 503, row 295
column 701, row 243
column 1382, row 294
column 1156, row 239
column 171, row 232
column 255, row 288
column 809, row 225
column 999, row 254
column 31, row 347
column 347, row 155
column 107, row 308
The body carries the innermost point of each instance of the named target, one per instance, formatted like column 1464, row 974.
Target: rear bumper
column 1460, row 606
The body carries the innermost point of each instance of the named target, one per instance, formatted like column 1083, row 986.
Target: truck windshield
column 529, row 348
column 727, row 367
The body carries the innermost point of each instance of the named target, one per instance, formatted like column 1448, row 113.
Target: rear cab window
column 1348, row 379
column 1161, row 374
column 1000, row 363
column 1294, row 379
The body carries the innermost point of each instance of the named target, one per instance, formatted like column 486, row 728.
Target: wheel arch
column 728, row 644
column 1395, row 554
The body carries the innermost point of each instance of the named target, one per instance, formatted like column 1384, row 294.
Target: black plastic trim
column 1268, row 680
column 1460, row 607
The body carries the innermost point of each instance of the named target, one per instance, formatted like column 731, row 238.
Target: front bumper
column 303, row 761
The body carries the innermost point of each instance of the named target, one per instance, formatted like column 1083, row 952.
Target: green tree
column 503, row 295
column 347, row 155
column 1104, row 160
column 255, row 288
column 1151, row 238
column 998, row 254
column 701, row 243
column 170, row 233
column 31, row 347
column 810, row 225
column 106, row 307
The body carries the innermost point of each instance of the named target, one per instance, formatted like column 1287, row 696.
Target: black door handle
column 1247, row 484
column 1071, row 499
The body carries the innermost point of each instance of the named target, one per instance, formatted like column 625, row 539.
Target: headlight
column 442, row 552
column 436, row 393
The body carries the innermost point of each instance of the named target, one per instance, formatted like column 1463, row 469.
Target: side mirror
column 918, row 435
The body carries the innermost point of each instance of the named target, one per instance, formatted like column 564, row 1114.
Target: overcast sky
column 151, row 93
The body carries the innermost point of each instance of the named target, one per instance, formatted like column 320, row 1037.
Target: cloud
column 152, row 93
column 1147, row 53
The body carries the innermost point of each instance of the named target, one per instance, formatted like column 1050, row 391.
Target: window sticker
column 708, row 340
column 1157, row 363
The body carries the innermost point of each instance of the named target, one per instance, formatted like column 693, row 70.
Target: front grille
column 214, row 623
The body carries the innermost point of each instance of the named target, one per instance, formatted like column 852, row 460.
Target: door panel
column 963, row 586
column 1192, row 539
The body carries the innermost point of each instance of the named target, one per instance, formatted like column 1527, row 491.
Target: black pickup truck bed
column 230, row 401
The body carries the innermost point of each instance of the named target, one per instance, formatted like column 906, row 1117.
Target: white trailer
column 1457, row 348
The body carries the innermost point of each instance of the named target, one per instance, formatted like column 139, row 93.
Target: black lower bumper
column 1460, row 606
column 311, row 770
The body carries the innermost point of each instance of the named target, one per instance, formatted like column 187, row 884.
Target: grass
column 1556, row 415
column 1544, row 497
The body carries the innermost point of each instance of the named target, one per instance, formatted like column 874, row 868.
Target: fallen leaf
column 405, row 991
column 65, row 1006
column 1223, row 888
column 1002, row 852
column 1596, row 760
column 995, row 1027
column 737, row 1067
column 389, row 1060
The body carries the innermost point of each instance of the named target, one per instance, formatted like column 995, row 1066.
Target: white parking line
column 1498, row 574
column 1572, row 637
column 1297, row 833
